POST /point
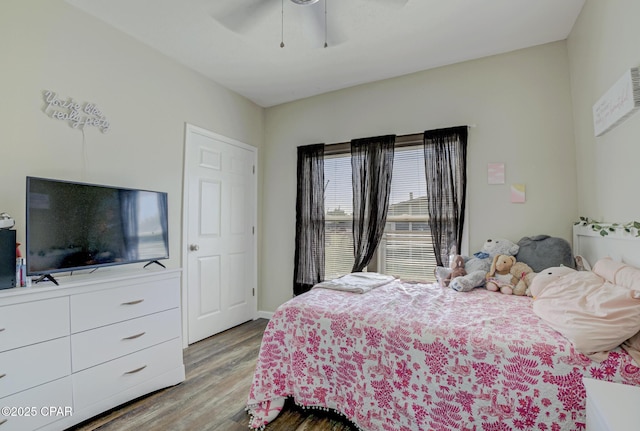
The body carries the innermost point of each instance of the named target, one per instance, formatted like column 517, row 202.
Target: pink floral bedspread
column 408, row 357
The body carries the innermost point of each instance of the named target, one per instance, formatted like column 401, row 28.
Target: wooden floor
column 214, row 394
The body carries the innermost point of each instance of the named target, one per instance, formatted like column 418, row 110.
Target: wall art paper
column 495, row 173
column 518, row 193
column 617, row 104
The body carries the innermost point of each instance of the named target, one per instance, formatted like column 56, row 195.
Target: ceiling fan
column 243, row 16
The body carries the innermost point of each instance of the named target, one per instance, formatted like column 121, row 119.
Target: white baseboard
column 265, row 315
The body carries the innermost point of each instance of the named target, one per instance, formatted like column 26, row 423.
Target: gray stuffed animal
column 478, row 266
column 543, row 251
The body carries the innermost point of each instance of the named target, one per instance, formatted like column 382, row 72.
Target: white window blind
column 406, row 249
column 338, row 207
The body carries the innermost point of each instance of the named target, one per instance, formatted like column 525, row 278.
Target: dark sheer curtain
column 445, row 159
column 371, row 167
column 309, row 254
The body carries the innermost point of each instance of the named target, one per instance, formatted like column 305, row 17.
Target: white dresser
column 611, row 406
column 70, row 352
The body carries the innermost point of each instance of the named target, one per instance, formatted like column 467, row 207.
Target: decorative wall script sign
column 77, row 115
column 617, row 104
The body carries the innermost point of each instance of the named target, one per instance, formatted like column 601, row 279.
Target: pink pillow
column 594, row 314
column 628, row 277
column 607, row 268
column 618, row 273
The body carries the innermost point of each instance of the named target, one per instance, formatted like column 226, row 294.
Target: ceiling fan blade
column 321, row 28
column 241, row 16
column 395, row 4
column 391, row 3
column 313, row 23
column 339, row 30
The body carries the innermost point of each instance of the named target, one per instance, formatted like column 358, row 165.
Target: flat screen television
column 72, row 226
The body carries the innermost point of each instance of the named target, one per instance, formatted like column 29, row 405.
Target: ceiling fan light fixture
column 305, row 2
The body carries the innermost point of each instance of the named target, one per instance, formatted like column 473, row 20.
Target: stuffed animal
column 478, row 265
column 547, row 278
column 544, row 251
column 499, row 276
column 457, row 269
column 500, row 246
column 521, row 278
column 481, row 260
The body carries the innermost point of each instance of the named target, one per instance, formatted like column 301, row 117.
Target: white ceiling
column 237, row 42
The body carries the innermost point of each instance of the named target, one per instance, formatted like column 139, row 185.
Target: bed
column 410, row 357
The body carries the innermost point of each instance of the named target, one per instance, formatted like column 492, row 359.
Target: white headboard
column 619, row 245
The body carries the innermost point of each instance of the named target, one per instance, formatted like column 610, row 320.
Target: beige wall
column 602, row 46
column 520, row 103
column 527, row 106
column 49, row 45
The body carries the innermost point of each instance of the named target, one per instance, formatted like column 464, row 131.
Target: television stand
column 156, row 262
column 46, row 277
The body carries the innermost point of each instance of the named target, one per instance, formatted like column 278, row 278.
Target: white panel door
column 220, row 212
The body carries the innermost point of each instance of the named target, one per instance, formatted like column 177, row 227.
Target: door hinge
column 253, row 291
column 253, row 230
column 254, row 169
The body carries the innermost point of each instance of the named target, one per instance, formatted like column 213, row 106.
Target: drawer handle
column 137, row 301
column 133, row 337
column 3, row 375
column 137, row 370
column 2, row 422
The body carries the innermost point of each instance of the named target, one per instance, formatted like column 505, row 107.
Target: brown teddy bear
column 522, row 275
column 499, row 276
column 457, row 269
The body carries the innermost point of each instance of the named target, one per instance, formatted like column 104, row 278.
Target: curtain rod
column 401, row 141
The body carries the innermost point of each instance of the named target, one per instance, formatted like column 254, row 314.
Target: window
column 406, row 250
column 338, row 207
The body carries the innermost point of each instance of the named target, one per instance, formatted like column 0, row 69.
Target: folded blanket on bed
column 356, row 282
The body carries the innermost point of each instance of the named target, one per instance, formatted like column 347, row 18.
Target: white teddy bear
column 478, row 266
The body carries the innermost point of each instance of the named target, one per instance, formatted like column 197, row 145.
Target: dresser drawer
column 37, row 407
column 33, row 322
column 103, row 381
column 104, row 307
column 34, row 365
column 100, row 345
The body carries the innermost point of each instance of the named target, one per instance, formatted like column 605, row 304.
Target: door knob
column 194, row 247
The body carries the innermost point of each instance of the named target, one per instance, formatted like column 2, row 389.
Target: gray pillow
column 543, row 251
